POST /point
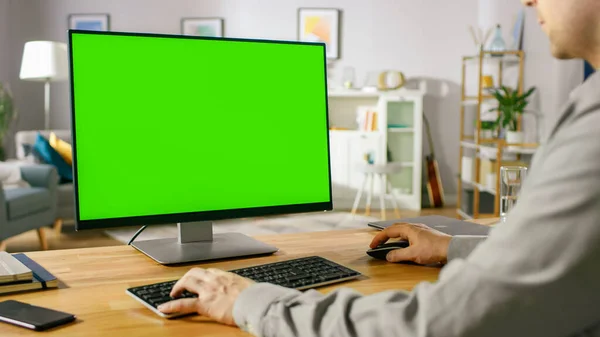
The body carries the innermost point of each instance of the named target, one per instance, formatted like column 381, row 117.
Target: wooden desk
column 95, row 280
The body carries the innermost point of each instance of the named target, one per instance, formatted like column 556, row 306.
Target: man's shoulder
column 586, row 98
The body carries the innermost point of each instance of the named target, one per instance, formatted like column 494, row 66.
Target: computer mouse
column 380, row 252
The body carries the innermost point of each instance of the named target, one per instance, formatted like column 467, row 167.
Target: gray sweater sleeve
column 462, row 245
column 536, row 275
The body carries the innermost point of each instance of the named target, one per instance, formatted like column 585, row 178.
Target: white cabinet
column 399, row 134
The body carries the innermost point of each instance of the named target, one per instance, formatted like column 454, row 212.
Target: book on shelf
column 40, row 277
column 367, row 120
column 13, row 270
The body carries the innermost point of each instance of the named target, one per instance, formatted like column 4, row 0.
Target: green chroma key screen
column 169, row 125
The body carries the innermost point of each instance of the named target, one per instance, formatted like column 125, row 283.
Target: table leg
column 382, row 195
column 359, row 196
column 43, row 240
column 58, row 226
column 370, row 194
column 394, row 201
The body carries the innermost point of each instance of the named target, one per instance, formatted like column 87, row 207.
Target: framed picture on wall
column 211, row 27
column 321, row 25
column 98, row 22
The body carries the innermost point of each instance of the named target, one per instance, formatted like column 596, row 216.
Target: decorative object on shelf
column 208, row 27
column 511, row 105
column 370, row 158
column 391, row 80
column 8, row 115
column 467, row 169
column 487, row 130
column 398, row 126
column 366, row 119
column 321, row 25
column 479, row 38
column 497, row 44
column 96, row 22
column 348, row 77
column 487, row 82
column 45, row 61
column 371, row 82
column 518, row 29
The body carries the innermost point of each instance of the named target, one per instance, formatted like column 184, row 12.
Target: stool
column 370, row 171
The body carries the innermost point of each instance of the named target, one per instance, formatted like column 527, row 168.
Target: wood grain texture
column 94, row 282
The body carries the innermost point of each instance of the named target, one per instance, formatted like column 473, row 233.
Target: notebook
column 13, row 270
column 42, row 279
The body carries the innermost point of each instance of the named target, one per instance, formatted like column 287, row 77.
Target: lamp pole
column 47, row 104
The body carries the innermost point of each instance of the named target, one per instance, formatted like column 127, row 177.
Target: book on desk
column 20, row 273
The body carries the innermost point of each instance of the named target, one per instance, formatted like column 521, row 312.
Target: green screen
column 167, row 125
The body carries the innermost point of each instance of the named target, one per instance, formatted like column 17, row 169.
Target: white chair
column 382, row 172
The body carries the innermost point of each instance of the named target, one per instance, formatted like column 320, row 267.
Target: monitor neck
column 189, row 232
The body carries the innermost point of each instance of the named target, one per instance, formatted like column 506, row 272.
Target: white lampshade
column 44, row 61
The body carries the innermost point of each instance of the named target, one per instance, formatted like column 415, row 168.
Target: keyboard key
column 333, row 276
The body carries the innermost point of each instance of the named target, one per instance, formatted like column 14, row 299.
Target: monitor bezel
column 202, row 215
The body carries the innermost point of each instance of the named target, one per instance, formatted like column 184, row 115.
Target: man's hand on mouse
column 427, row 245
column 217, row 292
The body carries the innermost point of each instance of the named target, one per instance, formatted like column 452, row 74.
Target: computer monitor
column 188, row 130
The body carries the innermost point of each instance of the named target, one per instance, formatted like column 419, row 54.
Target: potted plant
column 511, row 105
column 8, row 115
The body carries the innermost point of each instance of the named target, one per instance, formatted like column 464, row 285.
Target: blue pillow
column 50, row 156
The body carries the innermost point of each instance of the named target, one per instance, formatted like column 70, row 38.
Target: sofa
column 27, row 208
column 65, row 197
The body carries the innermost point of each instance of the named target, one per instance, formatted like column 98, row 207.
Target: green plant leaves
column 8, row 113
column 511, row 104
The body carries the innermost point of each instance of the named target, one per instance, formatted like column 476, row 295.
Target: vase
column 498, row 45
column 514, row 137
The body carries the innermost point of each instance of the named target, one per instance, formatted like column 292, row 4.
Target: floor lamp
column 45, row 61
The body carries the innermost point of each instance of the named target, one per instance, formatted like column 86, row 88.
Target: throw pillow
column 50, row 156
column 30, row 155
column 63, row 148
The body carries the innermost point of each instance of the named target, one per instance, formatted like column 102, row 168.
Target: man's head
column 572, row 25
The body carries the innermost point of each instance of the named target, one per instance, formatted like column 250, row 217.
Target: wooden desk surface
column 95, row 280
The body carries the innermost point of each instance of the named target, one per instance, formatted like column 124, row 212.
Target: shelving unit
column 402, row 107
column 493, row 149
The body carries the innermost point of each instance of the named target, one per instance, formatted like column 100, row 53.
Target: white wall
column 4, row 43
column 424, row 39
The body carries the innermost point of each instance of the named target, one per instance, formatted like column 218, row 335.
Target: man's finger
column 191, row 282
column 400, row 230
column 183, row 305
column 401, row 255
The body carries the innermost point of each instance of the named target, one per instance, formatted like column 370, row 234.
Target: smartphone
column 31, row 316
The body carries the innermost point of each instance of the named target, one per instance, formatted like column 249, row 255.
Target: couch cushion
column 63, row 148
column 50, row 156
column 21, row 202
column 65, row 195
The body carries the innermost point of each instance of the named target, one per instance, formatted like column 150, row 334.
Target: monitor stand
column 196, row 242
